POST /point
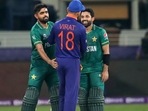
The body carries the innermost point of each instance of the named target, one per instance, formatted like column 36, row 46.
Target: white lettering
column 91, row 49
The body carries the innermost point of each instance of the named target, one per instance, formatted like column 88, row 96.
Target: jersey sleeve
column 104, row 37
column 35, row 37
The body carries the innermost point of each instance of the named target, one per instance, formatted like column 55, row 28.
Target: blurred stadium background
column 126, row 22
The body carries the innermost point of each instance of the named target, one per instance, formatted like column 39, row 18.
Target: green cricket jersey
column 93, row 58
column 39, row 35
column 39, row 69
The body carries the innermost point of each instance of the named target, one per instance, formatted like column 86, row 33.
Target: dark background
column 127, row 78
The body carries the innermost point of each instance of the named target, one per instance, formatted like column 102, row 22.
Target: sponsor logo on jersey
column 33, row 37
column 91, row 49
column 47, row 44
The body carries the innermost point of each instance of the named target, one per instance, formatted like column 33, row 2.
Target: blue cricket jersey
column 69, row 37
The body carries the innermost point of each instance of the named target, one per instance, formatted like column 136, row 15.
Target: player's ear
column 77, row 14
column 93, row 18
column 35, row 15
column 67, row 10
column 79, row 18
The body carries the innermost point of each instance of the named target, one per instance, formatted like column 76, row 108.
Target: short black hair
column 90, row 11
column 38, row 7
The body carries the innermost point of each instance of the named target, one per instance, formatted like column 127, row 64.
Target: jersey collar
column 93, row 27
column 41, row 27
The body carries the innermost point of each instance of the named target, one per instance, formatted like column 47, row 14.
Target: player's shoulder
column 82, row 27
column 57, row 23
column 35, row 27
column 99, row 29
column 60, row 21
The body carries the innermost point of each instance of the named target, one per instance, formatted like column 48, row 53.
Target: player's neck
column 44, row 25
column 89, row 28
column 71, row 15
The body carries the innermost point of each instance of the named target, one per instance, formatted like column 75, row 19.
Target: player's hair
column 90, row 11
column 38, row 7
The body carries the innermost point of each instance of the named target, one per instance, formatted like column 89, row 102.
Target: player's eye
column 41, row 13
column 87, row 16
column 82, row 16
column 46, row 12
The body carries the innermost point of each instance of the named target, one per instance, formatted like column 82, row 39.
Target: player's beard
column 86, row 23
column 44, row 20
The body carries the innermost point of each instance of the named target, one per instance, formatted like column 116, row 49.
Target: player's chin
column 46, row 19
column 86, row 25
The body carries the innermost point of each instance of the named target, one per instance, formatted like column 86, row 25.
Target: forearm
column 106, row 57
column 106, row 61
column 44, row 55
column 105, row 67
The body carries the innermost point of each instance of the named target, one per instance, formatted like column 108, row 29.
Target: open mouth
column 85, row 22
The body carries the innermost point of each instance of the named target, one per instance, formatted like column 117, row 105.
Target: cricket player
column 43, row 64
column 94, row 63
column 70, row 39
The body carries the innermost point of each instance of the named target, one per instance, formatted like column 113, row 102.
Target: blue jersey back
column 69, row 37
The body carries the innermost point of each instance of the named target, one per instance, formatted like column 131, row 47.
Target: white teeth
column 84, row 21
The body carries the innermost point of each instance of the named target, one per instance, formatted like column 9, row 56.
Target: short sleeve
column 104, row 37
column 35, row 37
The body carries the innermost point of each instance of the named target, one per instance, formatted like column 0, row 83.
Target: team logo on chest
column 45, row 36
column 94, row 39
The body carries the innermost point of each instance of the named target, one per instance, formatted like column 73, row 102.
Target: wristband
column 106, row 59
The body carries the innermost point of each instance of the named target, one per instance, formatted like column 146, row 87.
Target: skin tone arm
column 105, row 73
column 44, row 56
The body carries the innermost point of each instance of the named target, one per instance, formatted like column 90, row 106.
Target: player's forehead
column 43, row 10
column 85, row 13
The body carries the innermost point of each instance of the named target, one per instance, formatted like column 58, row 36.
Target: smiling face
column 86, row 19
column 42, row 16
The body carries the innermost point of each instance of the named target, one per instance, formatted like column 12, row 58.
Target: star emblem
column 33, row 77
column 94, row 39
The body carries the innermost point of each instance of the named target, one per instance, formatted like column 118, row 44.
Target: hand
column 105, row 76
column 53, row 63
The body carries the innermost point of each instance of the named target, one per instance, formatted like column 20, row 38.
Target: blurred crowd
column 17, row 14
